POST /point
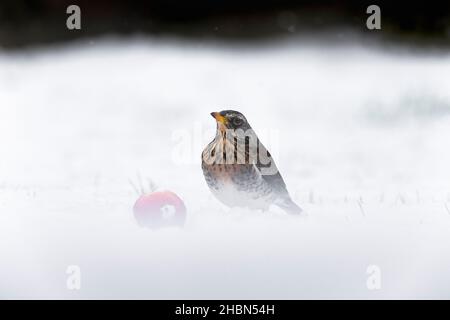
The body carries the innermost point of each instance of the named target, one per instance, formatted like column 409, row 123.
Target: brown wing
column 276, row 181
column 265, row 164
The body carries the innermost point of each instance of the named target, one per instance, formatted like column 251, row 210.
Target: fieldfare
column 239, row 170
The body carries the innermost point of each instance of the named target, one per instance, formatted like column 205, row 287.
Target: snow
column 359, row 133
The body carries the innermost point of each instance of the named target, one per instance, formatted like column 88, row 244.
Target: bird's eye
column 237, row 121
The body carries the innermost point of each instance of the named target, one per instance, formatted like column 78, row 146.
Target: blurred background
column 27, row 22
column 356, row 119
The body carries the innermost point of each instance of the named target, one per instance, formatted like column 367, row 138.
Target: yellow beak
column 219, row 118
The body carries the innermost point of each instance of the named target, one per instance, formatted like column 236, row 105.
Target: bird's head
column 230, row 120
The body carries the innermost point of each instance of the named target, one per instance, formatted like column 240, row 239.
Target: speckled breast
column 238, row 185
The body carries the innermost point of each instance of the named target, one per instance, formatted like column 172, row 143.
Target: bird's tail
column 290, row 206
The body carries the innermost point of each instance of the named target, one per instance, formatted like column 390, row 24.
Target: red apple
column 160, row 209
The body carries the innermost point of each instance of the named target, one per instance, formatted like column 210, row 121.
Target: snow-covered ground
column 360, row 136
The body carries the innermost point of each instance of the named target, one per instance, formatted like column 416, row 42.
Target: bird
column 239, row 170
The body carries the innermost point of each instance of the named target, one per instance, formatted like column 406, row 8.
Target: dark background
column 28, row 22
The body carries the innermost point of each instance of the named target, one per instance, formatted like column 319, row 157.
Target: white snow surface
column 361, row 136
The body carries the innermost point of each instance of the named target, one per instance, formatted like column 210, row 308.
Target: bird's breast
column 237, row 185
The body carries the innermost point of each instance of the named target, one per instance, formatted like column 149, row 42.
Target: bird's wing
column 277, row 183
column 269, row 171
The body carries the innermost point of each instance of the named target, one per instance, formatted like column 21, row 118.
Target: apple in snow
column 160, row 209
